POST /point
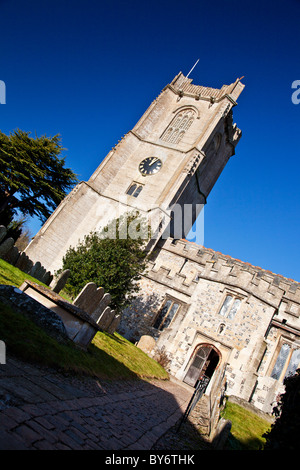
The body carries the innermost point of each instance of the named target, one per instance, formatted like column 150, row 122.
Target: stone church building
column 210, row 314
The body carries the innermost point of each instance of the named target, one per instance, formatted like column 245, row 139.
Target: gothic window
column 230, row 307
column 166, row 314
column 134, row 190
column 287, row 362
column 179, row 125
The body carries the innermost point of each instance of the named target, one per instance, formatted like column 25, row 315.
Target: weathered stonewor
column 6, row 246
column 59, row 283
column 79, row 326
column 89, row 298
column 95, row 301
column 114, row 324
column 106, row 318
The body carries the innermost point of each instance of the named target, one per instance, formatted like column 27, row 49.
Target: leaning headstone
column 106, row 318
column 47, row 278
column 34, row 270
column 40, row 273
column 3, row 232
column 60, row 282
column 13, row 255
column 104, row 302
column 89, row 297
column 146, row 343
column 21, row 261
column 114, row 324
column 28, row 263
column 6, row 246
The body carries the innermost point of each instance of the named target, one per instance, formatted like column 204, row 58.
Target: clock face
column 150, row 166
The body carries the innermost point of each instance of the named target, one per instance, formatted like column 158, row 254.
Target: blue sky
column 89, row 69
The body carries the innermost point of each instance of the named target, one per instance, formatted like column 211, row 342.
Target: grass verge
column 108, row 357
column 10, row 275
column 247, row 428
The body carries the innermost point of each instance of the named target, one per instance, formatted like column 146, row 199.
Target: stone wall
column 199, row 279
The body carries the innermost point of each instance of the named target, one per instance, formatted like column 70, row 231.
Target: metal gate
column 194, row 371
column 199, row 390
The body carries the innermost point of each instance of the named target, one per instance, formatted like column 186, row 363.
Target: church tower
column 172, row 157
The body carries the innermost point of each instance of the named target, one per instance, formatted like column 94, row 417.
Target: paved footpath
column 43, row 409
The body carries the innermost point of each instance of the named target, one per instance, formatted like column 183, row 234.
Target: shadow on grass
column 250, row 444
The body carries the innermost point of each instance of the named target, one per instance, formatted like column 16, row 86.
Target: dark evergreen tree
column 33, row 177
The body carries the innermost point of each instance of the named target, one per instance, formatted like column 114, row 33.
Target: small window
column 134, row 190
column 166, row 314
column 230, row 307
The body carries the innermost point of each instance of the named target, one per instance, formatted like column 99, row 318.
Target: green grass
column 108, row 357
column 247, row 428
column 10, row 275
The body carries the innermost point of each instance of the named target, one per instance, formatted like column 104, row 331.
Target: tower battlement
column 183, row 264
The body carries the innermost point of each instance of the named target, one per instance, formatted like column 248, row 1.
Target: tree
column 285, row 431
column 114, row 259
column 33, row 177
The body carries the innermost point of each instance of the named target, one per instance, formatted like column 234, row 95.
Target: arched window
column 134, row 190
column 179, row 125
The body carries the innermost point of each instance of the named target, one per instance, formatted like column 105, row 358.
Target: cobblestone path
column 43, row 409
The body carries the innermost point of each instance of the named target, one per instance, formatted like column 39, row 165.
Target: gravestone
column 60, row 282
column 106, row 318
column 3, row 232
column 99, row 310
column 146, row 343
column 89, row 298
column 13, row 255
column 114, row 324
column 6, row 246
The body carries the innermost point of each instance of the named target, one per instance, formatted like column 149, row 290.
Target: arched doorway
column 205, row 360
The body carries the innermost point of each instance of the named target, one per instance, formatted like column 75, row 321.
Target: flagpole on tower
column 192, row 68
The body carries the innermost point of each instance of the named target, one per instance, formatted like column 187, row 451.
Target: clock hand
column 155, row 160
